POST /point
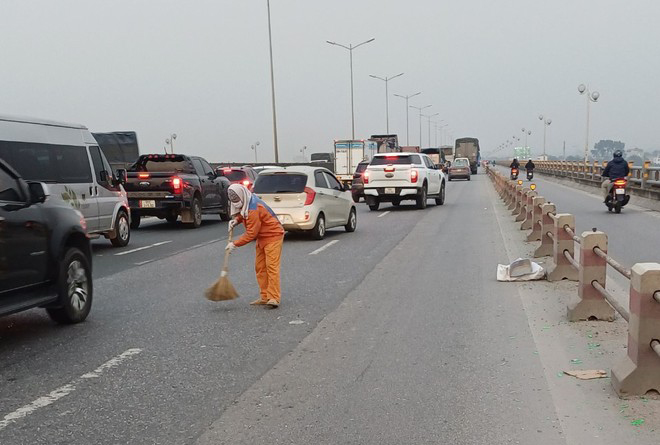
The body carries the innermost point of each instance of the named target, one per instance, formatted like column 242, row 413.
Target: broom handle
column 225, row 265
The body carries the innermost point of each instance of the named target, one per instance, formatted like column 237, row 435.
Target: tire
column 396, row 203
column 351, row 225
column 135, row 221
column 356, row 198
column 196, row 210
column 449, row 179
column 617, row 207
column 122, row 230
column 318, row 232
column 172, row 218
column 441, row 200
column 224, row 216
column 468, row 178
column 374, row 207
column 74, row 288
column 420, row 201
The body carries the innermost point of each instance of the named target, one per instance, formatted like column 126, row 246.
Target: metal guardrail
column 595, row 301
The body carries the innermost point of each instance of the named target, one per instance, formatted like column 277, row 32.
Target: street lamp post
column 350, row 49
column 170, row 141
column 387, row 98
column 546, row 123
column 420, row 121
column 272, row 86
column 254, row 147
column 591, row 97
column 302, row 150
column 526, row 133
column 407, row 119
column 429, row 116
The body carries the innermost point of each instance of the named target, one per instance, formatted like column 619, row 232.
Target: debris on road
column 637, row 422
column 587, row 374
column 296, row 322
column 520, row 270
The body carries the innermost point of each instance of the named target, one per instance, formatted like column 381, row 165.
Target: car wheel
column 373, row 206
column 135, row 220
column 356, row 198
column 172, row 218
column 74, row 288
column 421, row 199
column 468, row 178
column 122, row 230
column 441, row 200
column 318, row 232
column 351, row 225
column 224, row 216
column 396, row 203
column 449, row 178
column 196, row 210
column 617, row 207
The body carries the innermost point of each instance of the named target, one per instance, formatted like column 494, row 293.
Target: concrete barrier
column 537, row 203
column 562, row 245
column 547, row 224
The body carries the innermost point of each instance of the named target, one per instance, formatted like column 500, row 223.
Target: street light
column 387, row 98
column 254, row 147
column 591, row 97
column 350, row 49
column 436, row 131
column 302, row 150
column 272, row 86
column 170, row 141
column 429, row 116
column 546, row 124
column 420, row 121
column 408, row 109
column 526, row 133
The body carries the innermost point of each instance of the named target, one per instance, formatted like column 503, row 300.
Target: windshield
column 162, row 164
column 321, row 157
column 280, row 183
column 393, row 159
column 361, row 167
column 233, row 175
column 460, row 163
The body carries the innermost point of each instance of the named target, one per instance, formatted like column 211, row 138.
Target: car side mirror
column 121, row 176
column 38, row 192
column 212, row 175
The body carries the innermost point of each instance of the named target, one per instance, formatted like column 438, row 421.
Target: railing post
column 562, row 269
column 591, row 305
column 645, row 173
column 639, row 372
column 545, row 249
column 537, row 202
column 529, row 211
column 523, row 204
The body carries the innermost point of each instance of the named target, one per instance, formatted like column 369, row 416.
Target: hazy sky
column 200, row 68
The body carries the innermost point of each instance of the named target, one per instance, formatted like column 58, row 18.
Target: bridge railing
column 639, row 373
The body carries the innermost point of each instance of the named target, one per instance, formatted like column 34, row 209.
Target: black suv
column 45, row 254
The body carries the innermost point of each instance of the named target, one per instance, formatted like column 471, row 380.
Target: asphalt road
column 396, row 333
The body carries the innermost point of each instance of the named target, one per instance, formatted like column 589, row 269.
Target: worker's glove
column 230, row 247
column 233, row 223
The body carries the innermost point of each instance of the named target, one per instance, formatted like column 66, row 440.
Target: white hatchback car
column 307, row 199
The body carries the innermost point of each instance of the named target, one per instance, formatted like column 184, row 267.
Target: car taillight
column 311, row 194
column 413, row 176
column 365, row 177
column 620, row 183
column 389, row 168
column 144, row 175
column 177, row 185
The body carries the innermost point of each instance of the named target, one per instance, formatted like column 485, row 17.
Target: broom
column 222, row 289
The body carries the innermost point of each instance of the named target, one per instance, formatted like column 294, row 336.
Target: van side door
column 106, row 189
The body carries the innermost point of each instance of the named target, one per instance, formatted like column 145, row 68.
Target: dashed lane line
column 325, row 246
column 65, row 390
column 383, row 214
column 126, row 252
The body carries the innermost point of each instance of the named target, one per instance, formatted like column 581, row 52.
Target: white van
column 69, row 160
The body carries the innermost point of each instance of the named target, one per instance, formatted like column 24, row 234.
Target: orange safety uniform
column 263, row 226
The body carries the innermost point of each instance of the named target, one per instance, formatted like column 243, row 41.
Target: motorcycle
column 617, row 198
column 530, row 175
column 514, row 174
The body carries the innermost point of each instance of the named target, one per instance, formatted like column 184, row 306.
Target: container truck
column 468, row 148
column 348, row 154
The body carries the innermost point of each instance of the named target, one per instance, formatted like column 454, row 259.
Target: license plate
column 620, row 191
column 390, row 191
column 147, row 203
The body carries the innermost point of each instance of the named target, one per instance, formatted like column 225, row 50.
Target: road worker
column 262, row 225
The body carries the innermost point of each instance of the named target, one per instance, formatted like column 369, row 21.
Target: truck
column 447, row 152
column 435, row 154
column 325, row 160
column 409, row 149
column 468, row 148
column 348, row 154
column 386, row 143
column 119, row 147
column 171, row 185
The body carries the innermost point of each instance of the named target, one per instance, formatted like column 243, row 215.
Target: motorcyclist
column 617, row 168
column 529, row 166
column 515, row 164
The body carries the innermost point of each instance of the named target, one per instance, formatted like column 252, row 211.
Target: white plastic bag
column 520, row 270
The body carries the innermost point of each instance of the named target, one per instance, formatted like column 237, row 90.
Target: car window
column 208, row 170
column 319, row 178
column 362, row 166
column 460, row 163
column 162, row 164
column 48, row 162
column 332, row 181
column 280, row 183
column 414, row 159
column 234, row 175
column 198, row 167
column 8, row 188
column 391, row 159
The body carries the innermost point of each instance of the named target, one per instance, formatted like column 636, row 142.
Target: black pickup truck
column 171, row 185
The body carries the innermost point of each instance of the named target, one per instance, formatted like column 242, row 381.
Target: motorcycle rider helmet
column 618, row 154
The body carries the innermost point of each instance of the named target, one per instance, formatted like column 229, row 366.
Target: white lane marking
column 65, row 390
column 142, row 248
column 196, row 246
column 322, row 248
column 383, row 214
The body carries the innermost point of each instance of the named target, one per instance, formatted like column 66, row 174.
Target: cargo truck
column 348, row 154
column 468, row 148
